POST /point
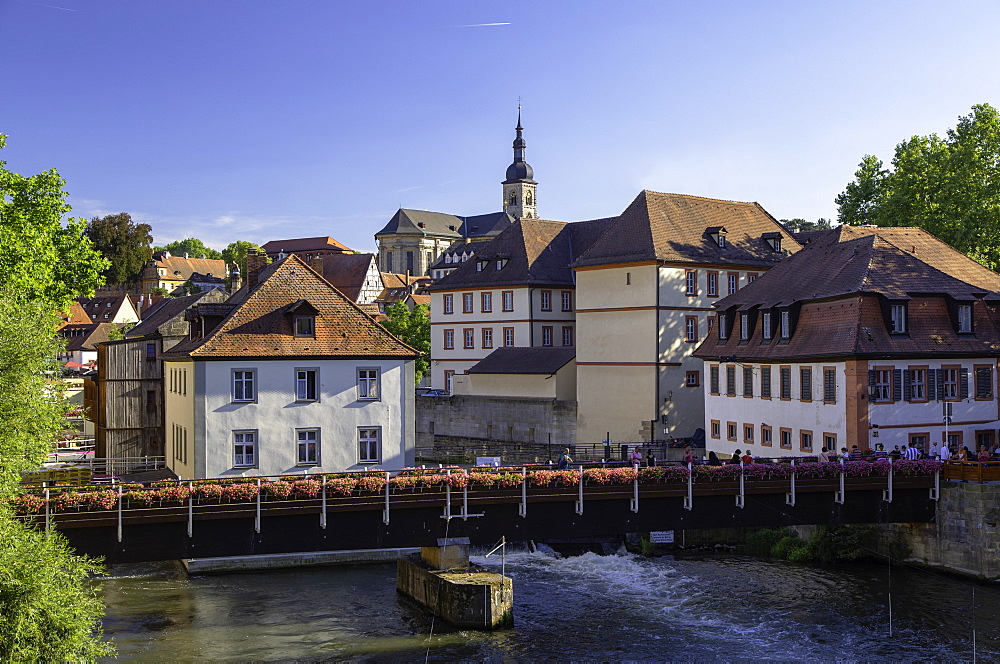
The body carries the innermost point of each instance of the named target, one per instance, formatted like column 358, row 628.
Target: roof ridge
column 702, row 198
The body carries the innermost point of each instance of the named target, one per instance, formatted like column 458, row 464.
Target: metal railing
column 95, row 470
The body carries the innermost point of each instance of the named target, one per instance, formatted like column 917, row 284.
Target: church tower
column 519, row 187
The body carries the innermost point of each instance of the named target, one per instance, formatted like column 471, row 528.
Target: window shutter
column 984, row 384
column 931, row 384
column 964, row 384
column 907, row 385
column 871, row 384
column 940, row 383
column 897, row 385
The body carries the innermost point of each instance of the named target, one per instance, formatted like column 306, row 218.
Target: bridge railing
column 971, row 471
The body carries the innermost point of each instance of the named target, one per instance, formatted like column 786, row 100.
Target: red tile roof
column 259, row 326
column 304, row 244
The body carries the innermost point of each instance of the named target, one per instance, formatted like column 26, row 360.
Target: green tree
column 123, row 242
column 414, row 328
column 40, row 257
column 948, row 186
column 237, row 252
column 798, row 224
column 193, row 247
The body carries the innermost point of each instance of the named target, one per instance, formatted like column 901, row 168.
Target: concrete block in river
column 472, row 597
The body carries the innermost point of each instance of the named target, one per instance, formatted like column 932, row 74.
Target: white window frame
column 508, row 337
column 567, row 335
column 964, row 318
column 691, row 329
column 448, row 304
column 950, row 383
column 367, row 437
column 883, row 385
column 713, row 284
column 918, row 384
column 898, row 318
column 545, row 300
column 302, row 380
column 508, row 300
column 240, row 442
column 302, row 444
column 487, row 302
column 239, row 381
column 691, row 282
column 786, row 325
column 567, row 300
column 744, row 327
column 766, row 325
column 487, row 337
column 311, row 332
column 547, row 335
column 733, row 281
column 369, row 386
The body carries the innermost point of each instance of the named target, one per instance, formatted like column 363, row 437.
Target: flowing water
column 589, row 607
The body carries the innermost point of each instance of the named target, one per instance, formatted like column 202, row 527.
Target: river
column 588, row 607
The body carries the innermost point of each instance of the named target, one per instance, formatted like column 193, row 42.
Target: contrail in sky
column 65, row 9
column 479, row 25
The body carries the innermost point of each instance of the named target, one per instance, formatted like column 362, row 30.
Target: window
column 723, row 329
column 950, row 383
column 765, row 382
column 747, row 382
column 916, row 380
column 508, row 337
column 151, row 351
column 448, row 374
column 898, row 317
column 487, row 302
column 628, row 278
column 449, row 339
column 722, row 240
column 751, row 277
column 308, row 446
column 964, row 318
column 305, row 384
column 467, row 303
column 713, row 378
column 786, row 325
column 244, row 448
column 150, row 397
column 481, row 265
column 984, row 383
column 449, row 303
column 730, row 430
column 487, row 337
column 830, row 441
column 734, row 282
column 786, row 438
column 731, row 381
column 713, row 284
column 716, row 429
column 765, row 435
column 744, row 326
column 368, row 387
column 805, row 383
column 508, row 300
column 567, row 335
column 370, row 445
column 546, row 300
column 690, row 329
column 388, row 261
column 243, row 386
column 692, row 379
column 829, row 385
column 567, row 300
column 501, row 263
column 305, row 326
column 785, row 380
column 766, row 325
column 691, row 282
column 469, row 338
column 748, row 434
column 805, row 441
column 409, row 262
column 881, row 385
column 711, row 323
column 547, row 335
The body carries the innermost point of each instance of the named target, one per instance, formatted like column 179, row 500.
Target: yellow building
column 644, row 292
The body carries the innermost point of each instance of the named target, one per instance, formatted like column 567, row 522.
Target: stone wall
column 500, row 419
column 965, row 537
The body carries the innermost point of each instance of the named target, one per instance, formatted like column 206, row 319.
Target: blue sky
column 262, row 120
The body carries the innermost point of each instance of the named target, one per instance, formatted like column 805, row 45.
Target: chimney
column 185, row 255
column 317, row 264
column 255, row 263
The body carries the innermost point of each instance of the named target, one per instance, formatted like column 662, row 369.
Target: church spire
column 519, row 185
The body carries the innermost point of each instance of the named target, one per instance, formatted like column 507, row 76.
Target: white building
column 288, row 376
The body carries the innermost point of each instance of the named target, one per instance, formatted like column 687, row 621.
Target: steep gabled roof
column 536, row 252
column 348, row 272
column 180, row 269
column 673, row 227
column 165, row 310
column 259, row 326
column 529, row 360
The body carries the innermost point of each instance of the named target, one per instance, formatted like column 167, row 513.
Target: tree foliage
column 193, row 247
column 414, row 328
column 123, row 242
column 796, row 225
column 40, row 258
column 948, row 186
column 236, row 252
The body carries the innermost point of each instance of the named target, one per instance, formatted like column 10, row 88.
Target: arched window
column 513, row 197
column 528, row 198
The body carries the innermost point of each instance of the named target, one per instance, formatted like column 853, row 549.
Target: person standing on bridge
column 565, row 459
column 911, row 452
column 688, row 455
column 636, row 457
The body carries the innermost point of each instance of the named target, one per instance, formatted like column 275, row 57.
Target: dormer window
column 766, row 325
column 964, row 318
column 786, row 325
column 898, row 318
column 717, row 234
column 305, row 326
column 722, row 239
column 773, row 240
column 481, row 265
column 501, row 262
column 744, row 327
column 723, row 327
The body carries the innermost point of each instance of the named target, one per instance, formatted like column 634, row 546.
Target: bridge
column 384, row 511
